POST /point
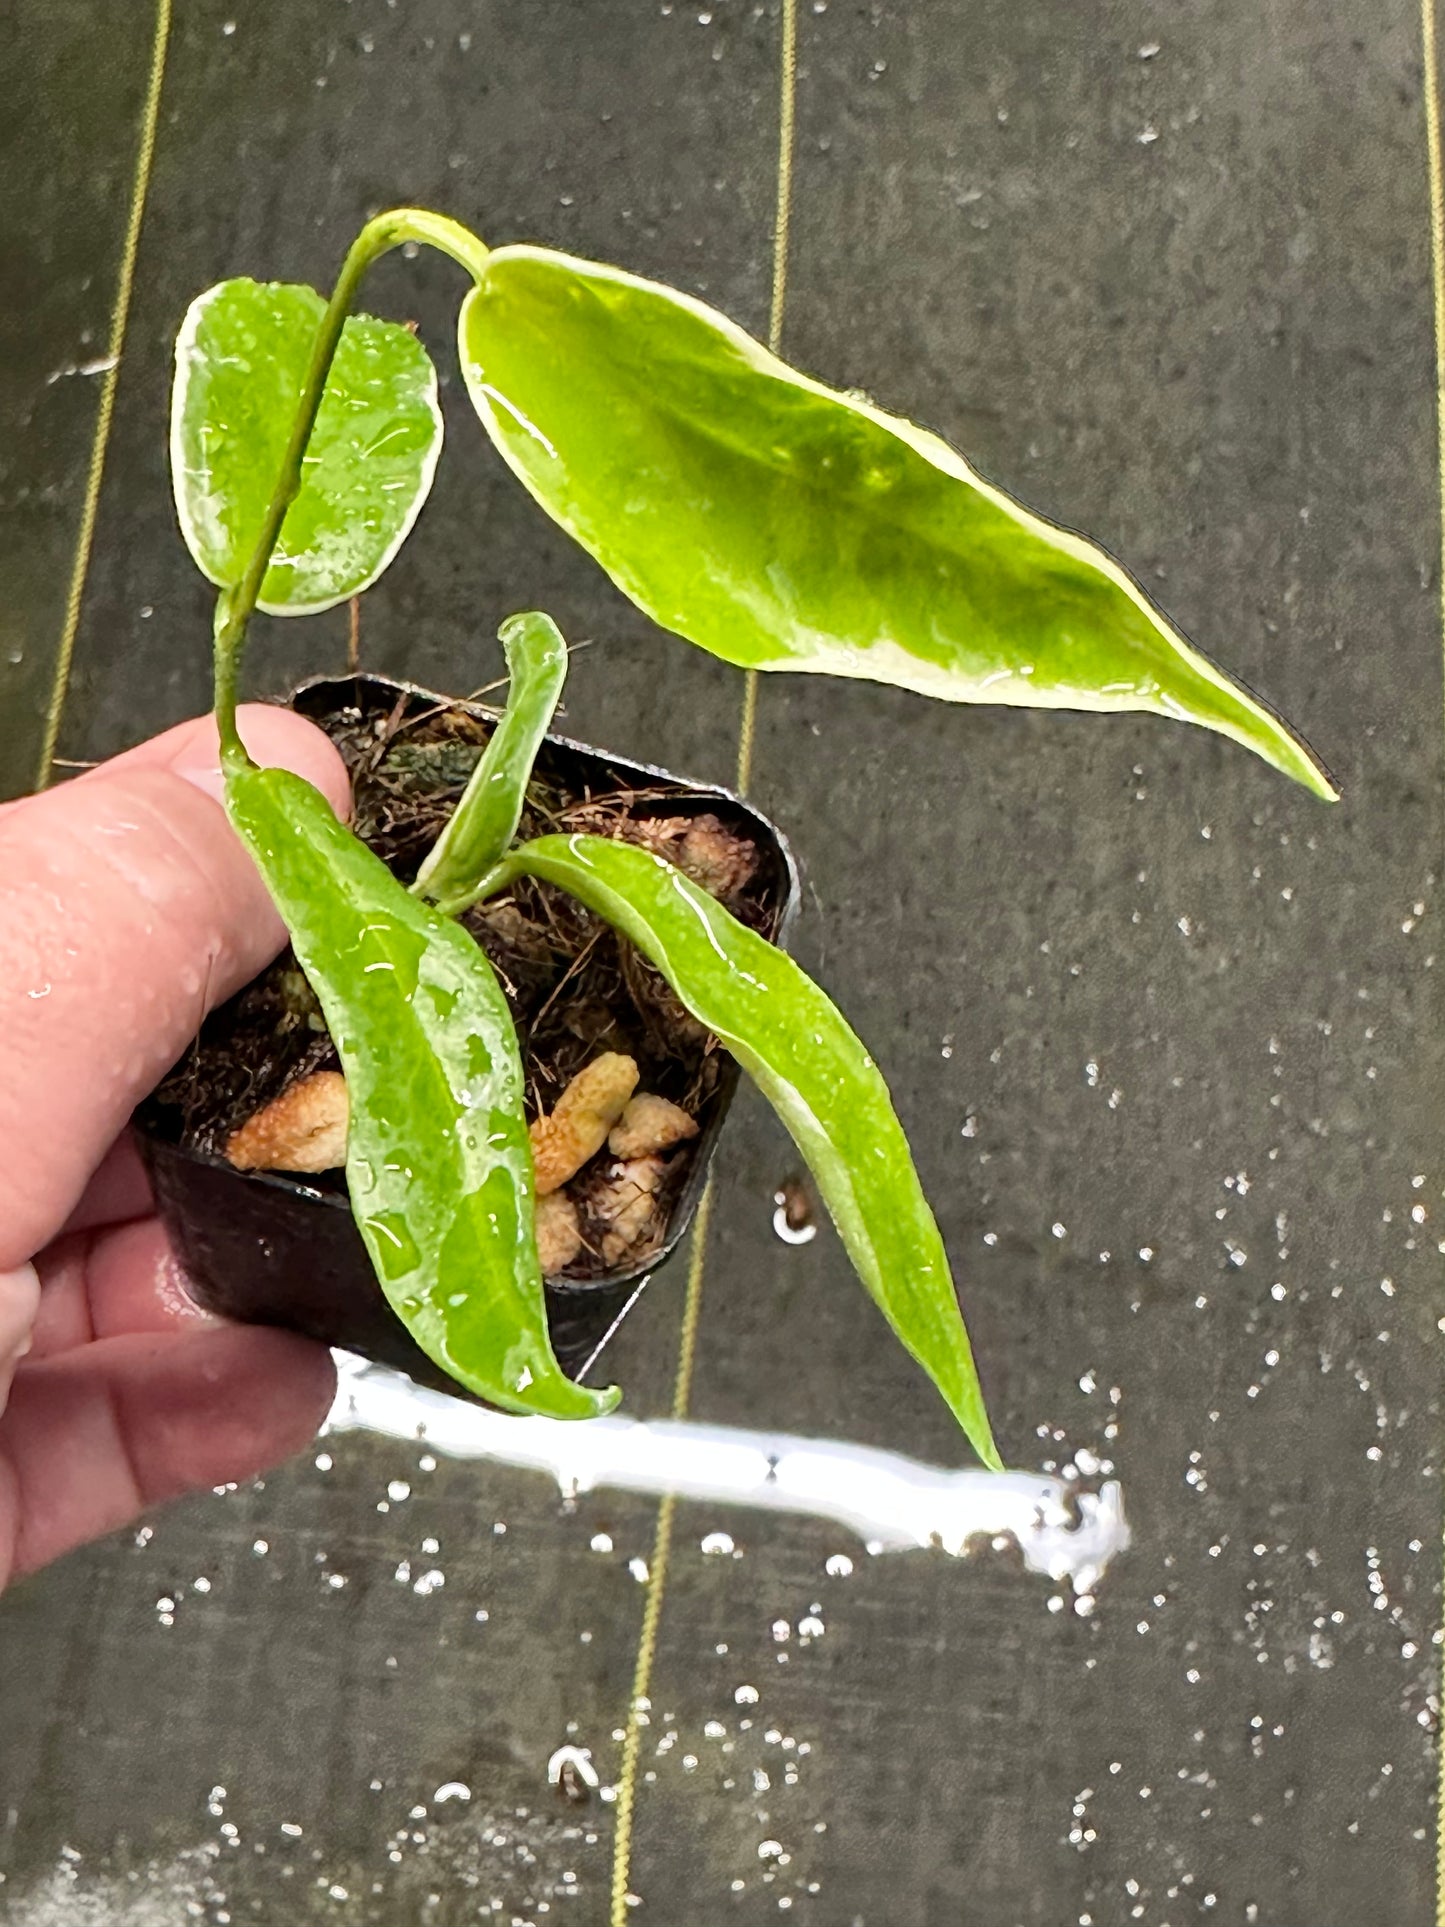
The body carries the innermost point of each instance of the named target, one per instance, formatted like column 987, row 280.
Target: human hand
column 128, row 908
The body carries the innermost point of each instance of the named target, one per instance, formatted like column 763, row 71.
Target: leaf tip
column 1294, row 757
column 564, row 1398
column 1235, row 710
column 967, row 1407
column 606, row 1401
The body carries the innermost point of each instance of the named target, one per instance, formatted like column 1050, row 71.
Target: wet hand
column 127, row 909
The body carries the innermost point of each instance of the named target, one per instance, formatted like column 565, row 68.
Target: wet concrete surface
column 1164, row 1030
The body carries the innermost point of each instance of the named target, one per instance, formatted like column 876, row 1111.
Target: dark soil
column 574, row 986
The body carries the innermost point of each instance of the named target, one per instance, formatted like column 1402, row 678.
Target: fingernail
column 19, row 1302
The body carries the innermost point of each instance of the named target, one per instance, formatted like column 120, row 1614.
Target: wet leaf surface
column 438, row 1164
column 784, row 525
column 814, row 1071
column 240, row 361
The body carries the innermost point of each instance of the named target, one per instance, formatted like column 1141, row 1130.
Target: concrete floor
column 1164, row 1030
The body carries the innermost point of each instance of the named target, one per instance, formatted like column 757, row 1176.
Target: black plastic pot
column 265, row 1248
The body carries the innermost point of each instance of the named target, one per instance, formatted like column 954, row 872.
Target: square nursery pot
column 268, row 1248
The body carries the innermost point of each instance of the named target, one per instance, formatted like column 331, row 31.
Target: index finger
column 128, row 907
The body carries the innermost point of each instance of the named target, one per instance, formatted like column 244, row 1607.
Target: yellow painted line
column 1430, row 51
column 640, row 1705
column 119, row 314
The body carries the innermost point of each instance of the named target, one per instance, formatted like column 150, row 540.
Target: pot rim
column 788, row 912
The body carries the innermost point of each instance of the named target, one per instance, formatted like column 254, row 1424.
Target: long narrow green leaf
column 438, row 1161
column 783, row 525
column 241, row 361
column 485, row 821
column 810, row 1066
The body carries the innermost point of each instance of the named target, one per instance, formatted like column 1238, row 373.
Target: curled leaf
column 438, row 1163
column 783, row 525
column 810, row 1066
column 241, row 362
column 485, row 820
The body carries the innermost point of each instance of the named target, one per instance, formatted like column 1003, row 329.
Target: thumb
column 128, row 908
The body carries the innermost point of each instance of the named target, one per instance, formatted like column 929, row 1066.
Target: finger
column 19, row 1301
column 275, row 737
column 127, row 907
column 108, row 1283
column 118, row 1189
column 94, row 1437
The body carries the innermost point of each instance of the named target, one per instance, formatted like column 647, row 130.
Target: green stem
column 234, row 607
column 501, row 876
column 226, row 665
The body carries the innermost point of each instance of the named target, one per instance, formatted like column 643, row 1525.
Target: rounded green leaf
column 782, row 525
column 241, row 361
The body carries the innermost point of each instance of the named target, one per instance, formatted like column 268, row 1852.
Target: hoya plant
column 772, row 521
